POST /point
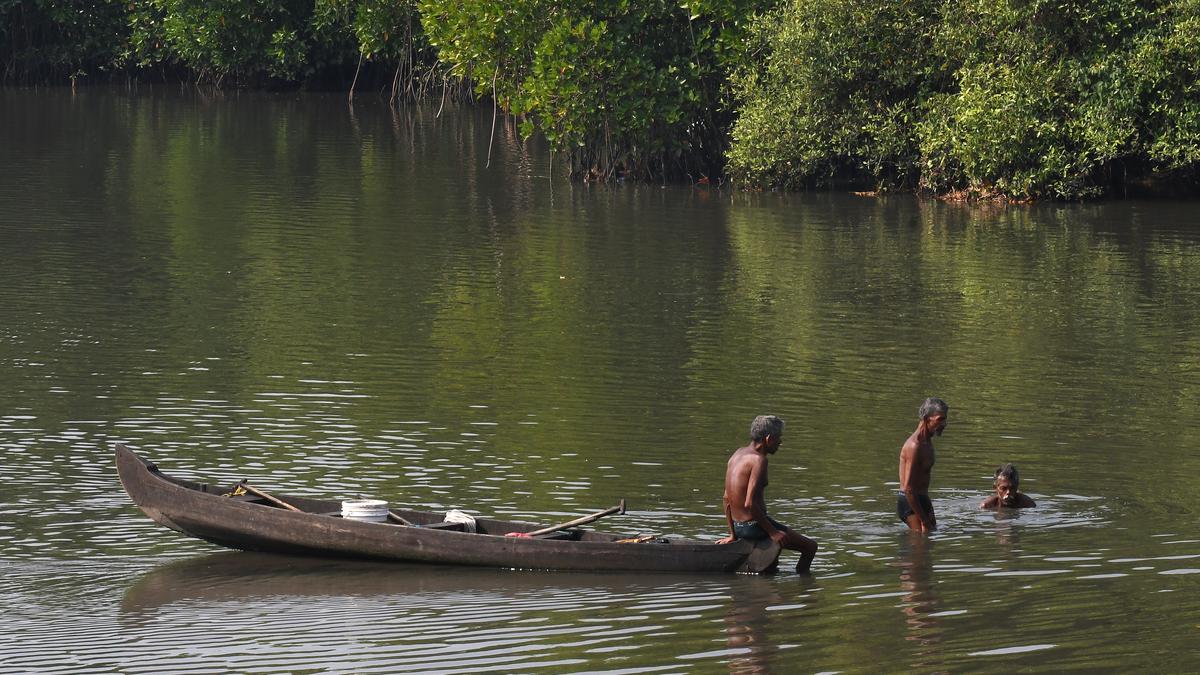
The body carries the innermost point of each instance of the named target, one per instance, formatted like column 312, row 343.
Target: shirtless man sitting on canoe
column 745, row 482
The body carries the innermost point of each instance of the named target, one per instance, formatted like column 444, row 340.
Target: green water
column 336, row 301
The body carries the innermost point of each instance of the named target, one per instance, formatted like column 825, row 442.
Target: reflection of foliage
column 641, row 329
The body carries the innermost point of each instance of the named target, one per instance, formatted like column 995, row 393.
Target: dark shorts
column 904, row 510
column 750, row 529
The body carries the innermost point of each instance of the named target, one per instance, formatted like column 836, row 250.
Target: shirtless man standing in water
column 745, row 482
column 916, row 466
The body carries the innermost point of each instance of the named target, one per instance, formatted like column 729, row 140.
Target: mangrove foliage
column 972, row 98
column 1022, row 98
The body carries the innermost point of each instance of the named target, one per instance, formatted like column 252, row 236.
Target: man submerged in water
column 1007, row 495
column 745, row 483
column 916, row 467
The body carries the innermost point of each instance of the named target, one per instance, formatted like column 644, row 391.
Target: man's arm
column 909, row 463
column 1025, row 502
column 728, row 520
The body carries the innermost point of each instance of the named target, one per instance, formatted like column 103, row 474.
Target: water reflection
column 748, row 626
column 427, row 618
column 327, row 302
column 237, row 576
column 921, row 601
column 1006, row 531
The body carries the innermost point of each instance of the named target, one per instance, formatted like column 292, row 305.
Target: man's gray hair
column 1008, row 471
column 932, row 406
column 766, row 425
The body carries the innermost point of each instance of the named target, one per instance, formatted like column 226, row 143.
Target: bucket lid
column 364, row 504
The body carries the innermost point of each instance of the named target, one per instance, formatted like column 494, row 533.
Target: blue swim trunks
column 750, row 530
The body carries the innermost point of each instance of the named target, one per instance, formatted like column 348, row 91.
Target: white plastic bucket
column 370, row 510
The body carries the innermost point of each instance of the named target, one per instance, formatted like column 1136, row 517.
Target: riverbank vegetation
column 224, row 43
column 962, row 98
column 977, row 97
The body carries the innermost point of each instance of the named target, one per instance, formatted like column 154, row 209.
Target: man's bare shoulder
column 745, row 457
column 744, row 452
column 1024, row 501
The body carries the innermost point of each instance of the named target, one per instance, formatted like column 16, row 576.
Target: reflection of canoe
column 239, row 577
column 254, row 524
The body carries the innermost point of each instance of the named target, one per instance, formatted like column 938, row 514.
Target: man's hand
column 727, row 540
column 779, row 536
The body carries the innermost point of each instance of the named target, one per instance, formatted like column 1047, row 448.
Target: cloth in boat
column 456, row 516
column 749, row 529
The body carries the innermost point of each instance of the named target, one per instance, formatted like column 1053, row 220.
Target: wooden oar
column 619, row 508
column 395, row 517
column 259, row 493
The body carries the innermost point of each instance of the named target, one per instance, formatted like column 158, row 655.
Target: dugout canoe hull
column 200, row 510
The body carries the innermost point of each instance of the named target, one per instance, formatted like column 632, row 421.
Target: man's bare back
column 746, row 472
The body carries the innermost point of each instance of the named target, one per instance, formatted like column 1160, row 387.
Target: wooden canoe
column 254, row 524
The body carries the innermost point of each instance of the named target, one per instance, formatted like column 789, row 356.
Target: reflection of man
column 916, row 467
column 745, row 482
column 1007, row 493
column 748, row 623
column 921, row 603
